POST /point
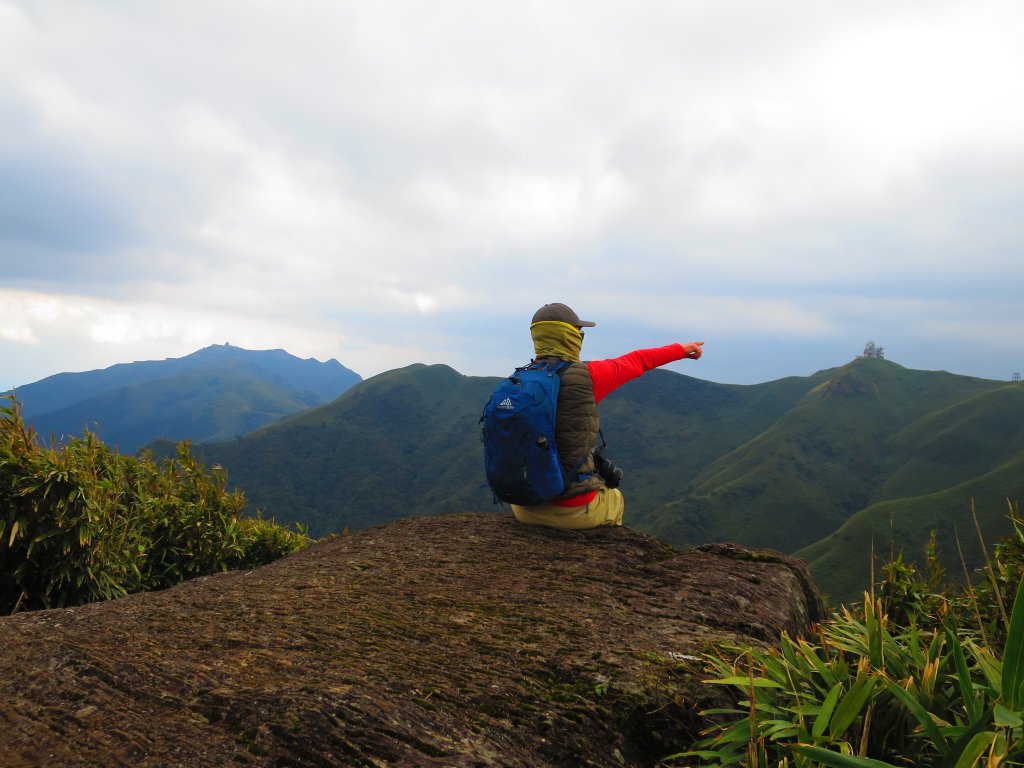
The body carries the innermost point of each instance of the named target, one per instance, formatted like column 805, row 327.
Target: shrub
column 264, row 540
column 80, row 522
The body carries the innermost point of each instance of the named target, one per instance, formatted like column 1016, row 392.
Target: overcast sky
column 388, row 183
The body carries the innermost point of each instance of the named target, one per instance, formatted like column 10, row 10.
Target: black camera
column 611, row 474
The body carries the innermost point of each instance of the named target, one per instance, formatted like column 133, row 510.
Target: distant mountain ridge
column 866, row 457
column 789, row 464
column 216, row 393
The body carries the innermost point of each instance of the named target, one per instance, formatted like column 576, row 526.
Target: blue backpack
column 518, row 432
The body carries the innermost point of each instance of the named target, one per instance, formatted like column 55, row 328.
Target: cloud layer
column 404, row 182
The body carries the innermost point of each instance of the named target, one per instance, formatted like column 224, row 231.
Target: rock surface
column 464, row 640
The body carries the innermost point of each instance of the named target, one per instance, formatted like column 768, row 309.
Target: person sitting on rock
column 587, row 502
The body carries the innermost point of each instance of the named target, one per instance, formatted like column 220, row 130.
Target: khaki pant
column 606, row 509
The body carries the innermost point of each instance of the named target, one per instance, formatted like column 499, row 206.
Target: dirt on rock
column 462, row 640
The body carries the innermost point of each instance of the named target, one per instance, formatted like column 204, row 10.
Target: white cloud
column 722, row 314
column 371, row 181
column 17, row 331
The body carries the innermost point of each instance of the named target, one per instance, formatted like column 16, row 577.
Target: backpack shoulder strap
column 555, row 364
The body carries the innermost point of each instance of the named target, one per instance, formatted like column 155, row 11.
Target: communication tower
column 872, row 350
column 1015, row 377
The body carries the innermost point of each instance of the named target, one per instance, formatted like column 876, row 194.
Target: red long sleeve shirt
column 609, row 375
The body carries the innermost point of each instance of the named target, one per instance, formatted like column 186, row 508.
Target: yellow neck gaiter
column 554, row 339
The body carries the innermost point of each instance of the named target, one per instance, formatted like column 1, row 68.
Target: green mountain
column 970, row 454
column 400, row 444
column 217, row 393
column 815, row 465
column 823, row 460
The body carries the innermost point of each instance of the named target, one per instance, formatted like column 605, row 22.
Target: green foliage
column 263, row 541
column 913, row 676
column 830, row 454
column 80, row 522
column 405, row 443
column 838, row 563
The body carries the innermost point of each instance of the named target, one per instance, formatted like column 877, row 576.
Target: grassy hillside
column 665, row 429
column 841, row 562
column 407, row 442
column 792, row 464
column 933, row 469
column 822, row 461
column 954, row 444
column 401, row 444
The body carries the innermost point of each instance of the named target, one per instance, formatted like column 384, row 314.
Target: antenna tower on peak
column 871, row 350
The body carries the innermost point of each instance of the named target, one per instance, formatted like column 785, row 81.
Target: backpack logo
column 521, row 459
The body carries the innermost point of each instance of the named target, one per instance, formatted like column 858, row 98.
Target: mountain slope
column 217, row 393
column 968, row 454
column 784, row 464
column 952, row 445
column 403, row 443
column 842, row 561
column 665, row 428
column 823, row 460
column 408, row 442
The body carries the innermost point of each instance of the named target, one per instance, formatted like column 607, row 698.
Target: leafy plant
column 932, row 689
column 80, row 522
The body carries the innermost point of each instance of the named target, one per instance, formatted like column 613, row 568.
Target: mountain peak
column 851, row 382
column 216, row 393
column 219, row 351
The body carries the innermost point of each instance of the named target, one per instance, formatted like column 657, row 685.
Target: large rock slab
column 463, row 640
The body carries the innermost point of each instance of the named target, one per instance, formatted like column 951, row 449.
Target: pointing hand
column 693, row 350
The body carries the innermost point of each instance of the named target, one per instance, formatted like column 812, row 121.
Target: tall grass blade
column 963, row 674
column 1006, row 718
column 851, row 705
column 922, row 715
column 874, row 623
column 966, row 743
column 970, row 591
column 825, row 715
column 1013, row 657
column 753, row 682
column 990, row 569
column 974, row 750
column 990, row 666
column 836, row 760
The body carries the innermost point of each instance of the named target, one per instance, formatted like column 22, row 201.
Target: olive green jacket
column 577, row 418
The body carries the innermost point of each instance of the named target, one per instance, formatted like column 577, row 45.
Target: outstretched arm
column 609, row 375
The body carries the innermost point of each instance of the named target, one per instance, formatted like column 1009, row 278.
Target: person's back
column 587, row 501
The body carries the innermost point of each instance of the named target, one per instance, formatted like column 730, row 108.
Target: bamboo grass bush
column 942, row 686
column 80, row 522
